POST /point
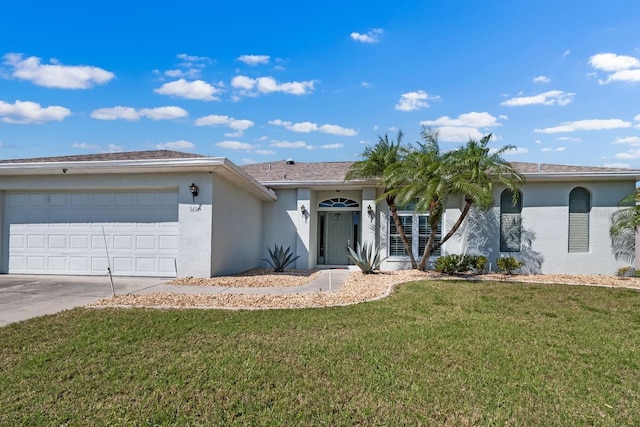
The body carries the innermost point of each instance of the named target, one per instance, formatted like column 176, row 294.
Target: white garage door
column 62, row 233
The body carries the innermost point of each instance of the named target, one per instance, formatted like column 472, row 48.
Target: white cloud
column 629, row 76
column 613, row 62
column 191, row 73
column 617, row 165
column 549, row 149
column 569, row 138
column 265, row 85
column 412, row 101
column 56, row 75
column 464, row 127
column 254, row 59
column 372, row 36
column 27, row 112
column 248, row 161
column 114, row 113
column 637, row 118
column 594, row 124
column 243, row 82
column 566, row 53
column 541, row 79
column 131, row 114
column 175, row 145
column 196, row 89
column 288, row 144
column 111, row 148
column 306, row 127
column 631, row 154
column 218, row 120
column 235, row 145
column 365, row 84
column 552, row 97
column 192, row 58
column 265, row 152
column 164, row 113
column 624, row 68
column 472, row 119
column 331, row 146
column 631, row 140
column 458, row 133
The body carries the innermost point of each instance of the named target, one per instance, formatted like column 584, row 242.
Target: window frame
column 573, row 223
column 514, row 212
column 414, row 237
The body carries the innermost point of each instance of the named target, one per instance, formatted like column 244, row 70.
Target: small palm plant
column 367, row 257
column 280, row 258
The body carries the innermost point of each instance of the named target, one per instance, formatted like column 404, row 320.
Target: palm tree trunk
column 431, row 247
column 396, row 220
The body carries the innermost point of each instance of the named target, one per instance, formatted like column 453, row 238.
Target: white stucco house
column 171, row 214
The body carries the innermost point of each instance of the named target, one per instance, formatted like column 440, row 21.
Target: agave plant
column 367, row 257
column 280, row 258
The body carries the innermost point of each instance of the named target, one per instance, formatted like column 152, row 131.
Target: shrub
column 366, row 257
column 479, row 262
column 455, row 264
column 508, row 265
column 452, row 264
column 280, row 258
column 627, row 272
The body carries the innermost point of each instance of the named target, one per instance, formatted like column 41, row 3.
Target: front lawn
column 453, row 353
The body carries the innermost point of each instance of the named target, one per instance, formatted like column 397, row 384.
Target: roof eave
column 205, row 164
column 572, row 176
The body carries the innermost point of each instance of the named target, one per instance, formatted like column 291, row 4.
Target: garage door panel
column 35, row 241
column 57, row 263
column 57, row 241
column 122, row 243
column 66, row 233
column 36, row 263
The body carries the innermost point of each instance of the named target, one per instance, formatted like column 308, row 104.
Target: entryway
column 337, row 231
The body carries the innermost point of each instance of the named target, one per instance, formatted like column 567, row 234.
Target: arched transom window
column 338, row 202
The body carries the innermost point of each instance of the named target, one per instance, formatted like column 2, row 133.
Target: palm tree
column 377, row 162
column 624, row 223
column 419, row 180
column 469, row 171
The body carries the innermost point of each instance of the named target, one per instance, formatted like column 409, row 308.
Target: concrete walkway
column 25, row 296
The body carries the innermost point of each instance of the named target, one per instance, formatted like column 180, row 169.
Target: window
column 396, row 247
column 416, row 229
column 579, row 208
column 510, row 222
column 338, row 202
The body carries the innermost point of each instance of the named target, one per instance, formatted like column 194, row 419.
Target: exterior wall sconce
column 371, row 213
column 194, row 191
column 305, row 212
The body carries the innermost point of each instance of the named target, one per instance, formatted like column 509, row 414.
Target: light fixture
column 194, row 190
column 305, row 212
column 369, row 209
column 371, row 213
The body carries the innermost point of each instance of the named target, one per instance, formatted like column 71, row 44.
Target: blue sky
column 318, row 81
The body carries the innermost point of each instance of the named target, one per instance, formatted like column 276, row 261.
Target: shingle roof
column 281, row 172
column 124, row 155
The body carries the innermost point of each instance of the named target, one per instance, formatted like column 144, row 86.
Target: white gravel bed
column 256, row 278
column 358, row 288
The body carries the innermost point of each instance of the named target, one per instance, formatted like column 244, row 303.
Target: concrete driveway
column 25, row 296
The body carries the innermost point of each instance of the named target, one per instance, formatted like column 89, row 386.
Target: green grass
column 452, row 353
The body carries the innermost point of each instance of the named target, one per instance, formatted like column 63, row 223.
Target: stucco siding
column 236, row 228
column 280, row 218
column 545, row 229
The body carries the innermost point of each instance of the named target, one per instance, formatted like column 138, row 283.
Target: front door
column 339, row 237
